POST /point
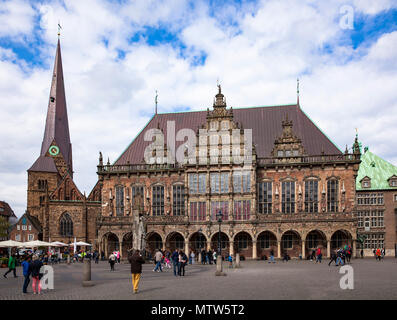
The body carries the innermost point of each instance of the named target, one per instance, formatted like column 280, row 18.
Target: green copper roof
column 378, row 170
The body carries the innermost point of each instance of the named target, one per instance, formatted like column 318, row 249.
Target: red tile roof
column 265, row 123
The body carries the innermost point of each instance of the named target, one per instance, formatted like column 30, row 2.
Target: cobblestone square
column 255, row 280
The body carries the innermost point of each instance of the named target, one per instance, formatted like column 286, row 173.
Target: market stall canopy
column 81, row 243
column 58, row 244
column 10, row 244
column 36, row 243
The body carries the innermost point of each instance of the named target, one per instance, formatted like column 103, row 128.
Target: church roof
column 44, row 164
column 378, row 170
column 57, row 127
column 265, row 122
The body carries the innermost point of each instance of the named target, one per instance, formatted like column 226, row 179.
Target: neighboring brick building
column 9, row 215
column 52, row 196
column 27, row 228
column 376, row 187
column 296, row 194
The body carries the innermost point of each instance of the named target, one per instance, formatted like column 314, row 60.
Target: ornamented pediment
column 288, row 146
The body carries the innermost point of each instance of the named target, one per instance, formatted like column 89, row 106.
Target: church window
column 66, row 225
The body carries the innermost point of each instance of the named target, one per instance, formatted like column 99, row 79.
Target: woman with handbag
column 36, row 275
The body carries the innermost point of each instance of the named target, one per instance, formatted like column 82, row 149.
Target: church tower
column 55, row 160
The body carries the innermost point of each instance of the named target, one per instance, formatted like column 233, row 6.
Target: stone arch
column 315, row 239
column 154, row 241
column 126, row 244
column 225, row 243
column 291, row 243
column 340, row 238
column 265, row 242
column 198, row 241
column 110, row 243
column 242, row 243
column 175, row 240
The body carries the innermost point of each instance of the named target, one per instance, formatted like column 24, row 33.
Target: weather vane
column 59, row 29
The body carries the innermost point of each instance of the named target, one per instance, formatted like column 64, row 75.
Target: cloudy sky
column 116, row 54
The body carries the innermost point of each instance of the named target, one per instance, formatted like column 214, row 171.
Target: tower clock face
column 54, row 150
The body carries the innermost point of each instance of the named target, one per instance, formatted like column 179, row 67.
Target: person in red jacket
column 319, row 255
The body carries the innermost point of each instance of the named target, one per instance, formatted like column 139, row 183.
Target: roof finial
column 218, row 85
column 297, row 90
column 59, row 29
column 156, row 101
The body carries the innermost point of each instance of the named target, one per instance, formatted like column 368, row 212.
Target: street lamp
column 200, row 244
column 219, row 217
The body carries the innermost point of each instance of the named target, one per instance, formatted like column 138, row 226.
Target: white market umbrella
column 58, row 244
column 10, row 244
column 35, row 243
column 84, row 244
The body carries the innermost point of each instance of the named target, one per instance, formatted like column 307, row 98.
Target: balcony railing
column 309, row 159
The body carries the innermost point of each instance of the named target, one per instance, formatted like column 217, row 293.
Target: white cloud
column 257, row 60
column 16, row 18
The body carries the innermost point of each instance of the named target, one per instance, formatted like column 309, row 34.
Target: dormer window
column 366, row 183
column 393, row 181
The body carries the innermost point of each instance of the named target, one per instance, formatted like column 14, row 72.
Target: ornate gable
column 67, row 190
column 288, row 145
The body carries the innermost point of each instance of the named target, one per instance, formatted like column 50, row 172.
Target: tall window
column 332, row 195
column 288, row 197
column 219, row 182
column 311, row 196
column 198, row 211
column 158, row 200
column 242, row 209
column 265, row 197
column 178, row 200
column 197, row 183
column 223, row 206
column 241, row 181
column 66, row 225
column 41, row 184
column 136, row 190
column 119, row 200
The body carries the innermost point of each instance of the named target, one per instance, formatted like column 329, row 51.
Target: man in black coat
column 136, row 262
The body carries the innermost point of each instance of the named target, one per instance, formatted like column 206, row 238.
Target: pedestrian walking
column 203, row 256
column 230, row 259
column 333, row 258
column 272, row 256
column 339, row 258
column 175, row 261
column 112, row 261
column 319, row 255
column 192, row 257
column 36, row 274
column 136, row 260
column 158, row 257
column 183, row 259
column 378, row 254
column 27, row 270
column 11, row 266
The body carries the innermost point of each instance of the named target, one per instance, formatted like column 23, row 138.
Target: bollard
column 219, row 270
column 68, row 259
column 237, row 265
column 199, row 258
column 87, row 273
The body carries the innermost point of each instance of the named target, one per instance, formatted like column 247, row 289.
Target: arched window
column 66, row 225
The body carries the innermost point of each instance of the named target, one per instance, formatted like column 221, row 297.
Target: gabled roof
column 57, row 126
column 44, row 164
column 66, row 179
column 6, row 210
column 378, row 170
column 265, row 122
column 33, row 221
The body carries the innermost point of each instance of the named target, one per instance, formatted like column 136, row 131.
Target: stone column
column 208, row 245
column 121, row 251
column 106, row 248
column 219, row 270
column 231, row 248
column 303, row 249
column 254, row 250
column 354, row 247
column 279, row 249
column 328, row 249
column 237, row 265
column 87, row 273
column 187, row 247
